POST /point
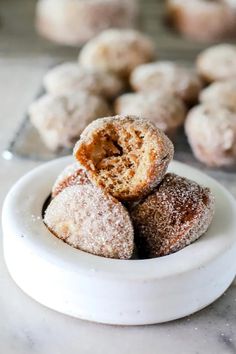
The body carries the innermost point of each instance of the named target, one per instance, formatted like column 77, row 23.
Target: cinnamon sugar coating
column 165, row 110
column 211, row 132
column 176, row 214
column 117, row 51
column 60, row 119
column 169, row 77
column 217, row 62
column 126, row 155
column 73, row 22
column 220, row 92
column 87, row 218
column 202, row 20
column 71, row 77
column 74, row 174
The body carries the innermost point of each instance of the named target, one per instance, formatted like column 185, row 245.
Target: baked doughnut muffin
column 176, row 214
column 221, row 92
column 72, row 175
column 165, row 110
column 117, row 51
column 126, row 155
column 73, row 22
column 202, row 20
column 69, row 78
column 211, row 132
column 60, row 119
column 87, row 218
column 217, row 63
column 167, row 76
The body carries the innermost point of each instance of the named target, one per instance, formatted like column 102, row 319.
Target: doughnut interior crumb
column 123, row 157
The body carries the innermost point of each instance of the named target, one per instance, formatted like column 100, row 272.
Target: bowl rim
column 22, row 215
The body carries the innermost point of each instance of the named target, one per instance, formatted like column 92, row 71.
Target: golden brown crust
column 172, row 217
column 125, row 155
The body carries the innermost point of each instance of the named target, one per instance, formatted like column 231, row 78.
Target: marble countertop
column 28, row 327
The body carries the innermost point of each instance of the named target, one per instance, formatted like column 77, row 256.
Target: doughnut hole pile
column 211, row 126
column 109, row 66
column 117, row 73
column 117, row 198
column 163, row 88
column 100, row 74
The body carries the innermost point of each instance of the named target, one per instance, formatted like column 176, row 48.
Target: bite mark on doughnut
column 123, row 158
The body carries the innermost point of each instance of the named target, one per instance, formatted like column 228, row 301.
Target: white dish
column 132, row 292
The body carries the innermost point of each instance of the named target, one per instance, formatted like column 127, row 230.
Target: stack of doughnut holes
column 118, row 72
column 118, row 197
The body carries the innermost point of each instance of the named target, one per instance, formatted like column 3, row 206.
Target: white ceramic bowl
column 132, row 292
